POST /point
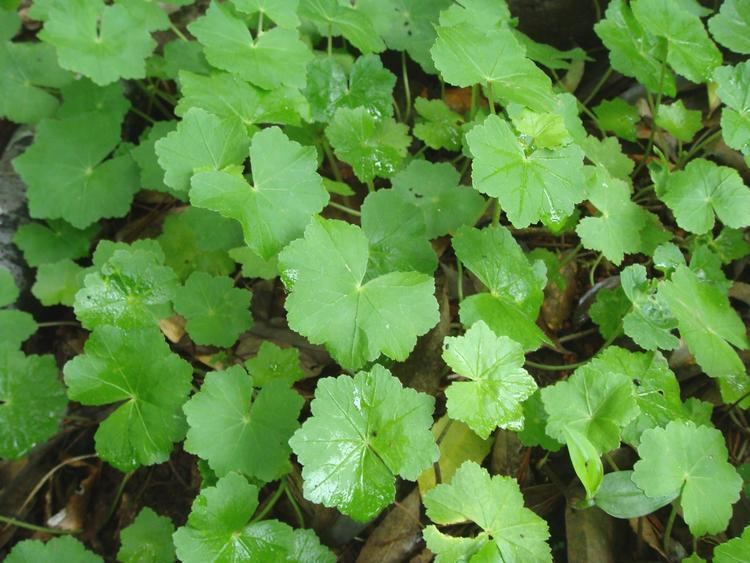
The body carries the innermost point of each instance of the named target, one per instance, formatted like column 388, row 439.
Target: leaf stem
column 142, row 115
column 57, row 323
column 598, row 86
column 331, row 159
column 271, row 502
column 259, row 32
column 177, row 31
column 33, row 527
column 594, row 266
column 611, row 461
column 459, row 279
column 330, row 40
column 491, row 98
column 496, row 213
column 654, row 112
column 473, row 107
column 370, row 186
column 345, row 209
column 295, row 506
column 668, row 529
column 407, row 89
column 559, row 367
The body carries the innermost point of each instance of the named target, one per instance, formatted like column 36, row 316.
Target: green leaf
column 274, row 58
column 132, row 289
column 364, row 431
column 510, row 531
column 199, row 239
column 338, row 18
column 273, row 363
column 136, row 370
column 8, row 288
column 307, row 548
column 690, row 461
column 586, row 461
column 397, row 234
column 26, row 71
column 32, row 401
column 611, row 232
column 619, row 117
column 219, row 527
column 516, row 288
column 83, row 96
column 216, row 311
column 10, row 22
column 680, row 122
column 667, row 257
column 286, row 192
column 331, row 304
column 535, row 421
column 152, row 175
column 735, row 550
column 282, row 12
column 731, row 26
column 235, row 429
column 539, row 130
column 497, row 384
column 230, row 98
column 650, row 322
column 148, row 539
column 57, row 283
column 63, row 548
column 633, row 51
column 16, row 327
column 201, row 142
column 543, row 185
column 734, row 91
column 373, row 147
column 466, row 55
column 608, row 309
column 434, row 188
column 103, row 42
column 369, row 85
column 690, row 51
column 708, row 324
column 253, row 266
column 440, row 127
column 66, row 174
column 106, row 249
column 608, row 154
column 178, row 55
column 597, row 401
column 703, row 189
column 43, row 244
column 618, row 496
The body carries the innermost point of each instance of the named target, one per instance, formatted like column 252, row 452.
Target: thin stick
column 344, row 208
column 668, row 529
column 57, row 323
column 21, row 524
column 598, row 86
column 271, row 502
column 407, row 89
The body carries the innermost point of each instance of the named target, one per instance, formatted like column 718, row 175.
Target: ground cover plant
column 380, row 280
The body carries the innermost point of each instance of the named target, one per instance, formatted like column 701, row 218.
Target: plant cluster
column 280, row 145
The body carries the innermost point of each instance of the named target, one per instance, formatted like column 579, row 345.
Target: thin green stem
column 295, row 506
column 330, row 40
column 142, row 115
column 591, row 116
column 260, row 24
column 473, row 107
column 177, row 32
column 33, row 527
column 57, row 323
column 570, row 255
column 332, row 162
column 370, row 186
column 459, row 279
column 611, row 461
column 345, row 209
column 116, row 500
column 598, row 86
column 699, row 146
column 654, row 112
column 594, row 266
column 407, row 89
column 496, row 213
column 268, row 506
column 553, row 367
column 491, row 98
column 668, row 529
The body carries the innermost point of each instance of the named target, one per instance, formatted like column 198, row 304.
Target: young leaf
column 26, row 71
column 286, row 192
column 735, row 550
column 690, row 461
column 680, row 122
column 396, row 230
column 586, row 460
column 608, row 310
column 235, row 429
column 201, row 142
column 497, row 385
column 373, row 147
column 368, row 85
column 219, row 527
column 43, row 244
column 633, row 51
column 132, row 289
column 703, row 189
column 135, row 369
column 273, row 363
column 734, row 91
column 597, row 401
column 510, row 531
column 364, row 431
column 66, row 174
column 539, row 130
column 277, row 57
column 148, row 539
column 466, row 55
column 619, row 117
column 690, row 51
column 440, row 127
column 32, row 401
column 649, row 322
column 731, row 26
column 152, row 175
column 516, row 288
column 542, row 185
column 62, row 548
column 534, row 423
column 434, row 188
column 619, row 496
column 331, row 303
column 708, row 324
column 199, row 239
column 103, row 42
column 282, row 12
column 612, row 231
column 338, row 18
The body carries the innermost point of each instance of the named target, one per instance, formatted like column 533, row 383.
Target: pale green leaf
column 680, row 122
column 63, row 548
column 731, row 26
column 273, row 363
column 148, row 539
